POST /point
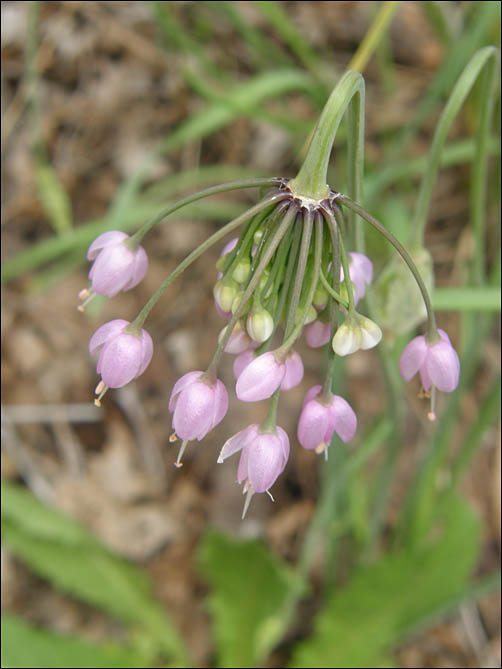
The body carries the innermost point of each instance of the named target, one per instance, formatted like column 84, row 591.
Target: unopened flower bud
column 356, row 332
column 241, row 271
column 321, row 297
column 259, row 325
column 258, row 235
column 224, row 293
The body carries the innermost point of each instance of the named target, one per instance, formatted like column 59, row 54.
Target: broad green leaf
column 35, row 519
column 248, row 588
column 26, row 646
column 54, row 199
column 76, row 563
column 363, row 619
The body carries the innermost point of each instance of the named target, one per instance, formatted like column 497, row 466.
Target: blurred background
column 111, row 556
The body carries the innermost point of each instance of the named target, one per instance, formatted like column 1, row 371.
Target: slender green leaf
column 26, row 646
column 466, row 298
column 54, row 199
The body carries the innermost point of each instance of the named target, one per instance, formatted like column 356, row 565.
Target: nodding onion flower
column 285, row 274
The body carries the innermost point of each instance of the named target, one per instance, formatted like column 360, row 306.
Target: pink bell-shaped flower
column 320, row 420
column 263, row 458
column 197, row 405
column 260, row 379
column 437, row 363
column 116, row 267
column 123, row 356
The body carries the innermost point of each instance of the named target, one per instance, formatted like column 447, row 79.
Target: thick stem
column 432, row 328
column 137, row 324
column 311, row 180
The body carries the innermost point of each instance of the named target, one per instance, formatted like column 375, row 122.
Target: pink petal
column 344, row 418
column 443, row 366
column 194, row 411
column 106, row 332
column 108, row 238
column 412, row 358
column 220, row 406
column 317, row 334
column 180, row 385
column 120, row 360
column 312, row 424
column 284, row 439
column 294, row 371
column 260, row 379
column 139, row 268
column 313, row 392
column 238, row 442
column 265, row 461
column 242, row 361
column 146, row 351
column 111, row 270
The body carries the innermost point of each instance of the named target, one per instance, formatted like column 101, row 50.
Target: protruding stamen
column 178, row 462
column 270, row 495
column 100, row 391
column 432, row 413
column 84, row 294
column 250, row 493
column 90, row 295
column 173, row 438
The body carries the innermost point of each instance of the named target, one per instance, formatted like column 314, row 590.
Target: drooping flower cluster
column 286, row 275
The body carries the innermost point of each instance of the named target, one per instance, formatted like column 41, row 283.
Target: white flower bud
column 357, row 332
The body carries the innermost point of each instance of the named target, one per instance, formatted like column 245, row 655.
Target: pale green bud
column 241, row 271
column 259, row 325
column 224, row 293
column 356, row 332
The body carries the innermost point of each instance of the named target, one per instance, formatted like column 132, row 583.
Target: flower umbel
column 285, row 274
